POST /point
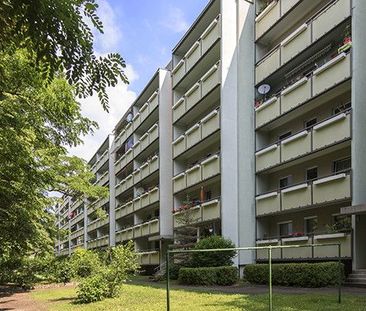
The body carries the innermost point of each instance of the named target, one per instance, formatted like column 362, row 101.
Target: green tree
column 58, row 34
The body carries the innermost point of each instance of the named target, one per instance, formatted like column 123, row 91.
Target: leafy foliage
column 224, row 276
column 296, row 274
column 85, row 263
column 58, row 34
column 91, row 289
column 213, row 259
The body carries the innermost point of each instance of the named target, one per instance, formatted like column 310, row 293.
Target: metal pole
column 270, row 277
column 340, row 274
column 167, row 282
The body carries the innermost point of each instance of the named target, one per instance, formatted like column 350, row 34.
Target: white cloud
column 120, row 97
column 175, row 20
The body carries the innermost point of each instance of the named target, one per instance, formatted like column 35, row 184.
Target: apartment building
column 255, row 130
column 308, row 137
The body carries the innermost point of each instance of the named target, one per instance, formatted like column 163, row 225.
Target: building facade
column 255, row 129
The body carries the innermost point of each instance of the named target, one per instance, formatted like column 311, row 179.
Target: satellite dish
column 129, row 117
column 264, row 89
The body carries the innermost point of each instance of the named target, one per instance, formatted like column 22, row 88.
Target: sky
column 144, row 32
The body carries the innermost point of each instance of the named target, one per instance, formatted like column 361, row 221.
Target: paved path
column 17, row 299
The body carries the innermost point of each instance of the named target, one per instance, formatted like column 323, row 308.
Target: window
column 310, row 122
column 285, row 181
column 341, row 108
column 285, row 229
column 312, row 173
column 285, row 135
column 341, row 165
column 311, row 224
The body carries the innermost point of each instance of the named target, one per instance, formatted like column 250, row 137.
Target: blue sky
column 144, row 32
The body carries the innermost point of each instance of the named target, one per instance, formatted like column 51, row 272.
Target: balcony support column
column 359, row 129
column 112, row 193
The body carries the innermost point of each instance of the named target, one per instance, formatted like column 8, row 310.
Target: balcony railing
column 99, row 242
column 198, row 49
column 208, row 168
column 336, row 187
column 145, row 170
column 77, row 233
column 207, row 126
column 138, row 119
column 205, row 211
column 302, row 37
column 97, row 204
column 137, row 231
column 100, row 161
column 149, row 258
column 198, row 91
column 327, row 76
column 97, row 224
column 140, row 202
column 317, row 252
column 325, row 133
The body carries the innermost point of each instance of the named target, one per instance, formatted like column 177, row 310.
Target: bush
column 224, row 276
column 93, row 288
column 60, row 270
column 213, row 259
column 296, row 274
column 84, row 263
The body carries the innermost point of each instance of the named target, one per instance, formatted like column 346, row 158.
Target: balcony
column 198, row 132
column 208, row 38
column 102, row 180
column 140, row 202
column 295, row 94
column 302, row 37
column 97, row 204
column 197, row 92
column 205, row 170
column 149, row 258
column 145, row 140
column 101, row 161
column 124, row 235
column 77, row 233
column 99, row 242
column 267, row 111
column 267, row 18
column 333, row 188
column 310, row 252
column 97, row 224
column 79, row 217
column 206, row 211
column 331, row 131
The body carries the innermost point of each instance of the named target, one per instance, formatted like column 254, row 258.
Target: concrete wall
column 112, row 193
column 246, row 136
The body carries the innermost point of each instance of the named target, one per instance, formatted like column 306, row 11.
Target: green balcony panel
column 153, row 101
column 192, row 96
column 333, row 188
column 136, row 203
column 210, row 123
column 269, row 16
column 268, row 65
column 295, row 94
column 129, row 155
column 296, row 196
column 332, row 251
column 295, row 146
column 193, row 55
column 210, row 35
column 210, row 79
column 194, row 216
column 267, row 111
column 145, row 230
column 287, row 5
column 179, row 145
column 332, row 131
column 268, row 203
column 179, row 109
column 179, row 182
column 267, row 157
column 296, row 253
column 154, row 226
column 193, row 135
column 136, row 120
column 136, row 149
column 210, row 167
column 137, row 231
column 332, row 16
column 129, row 129
column 194, row 175
column 331, row 73
column 210, row 210
column 178, row 72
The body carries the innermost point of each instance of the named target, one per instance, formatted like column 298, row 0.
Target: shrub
column 224, row 276
column 60, row 270
column 213, row 259
column 93, row 288
column 296, row 274
column 85, row 263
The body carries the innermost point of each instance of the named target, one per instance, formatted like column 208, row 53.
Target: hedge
column 226, row 275
column 296, row 274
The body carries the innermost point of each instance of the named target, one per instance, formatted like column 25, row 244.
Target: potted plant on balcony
column 347, row 40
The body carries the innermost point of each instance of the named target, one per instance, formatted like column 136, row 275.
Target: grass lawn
column 138, row 297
